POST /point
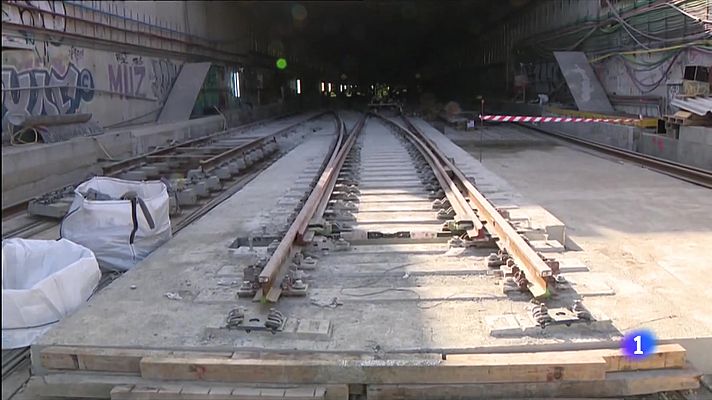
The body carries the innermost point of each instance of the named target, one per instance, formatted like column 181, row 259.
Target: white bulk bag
column 42, row 281
column 119, row 232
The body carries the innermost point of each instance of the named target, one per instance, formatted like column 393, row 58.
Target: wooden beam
column 664, row 356
column 128, row 360
column 202, row 392
column 521, row 367
column 616, row 384
column 103, row 359
column 78, row 384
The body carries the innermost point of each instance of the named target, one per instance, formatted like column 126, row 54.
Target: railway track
column 231, row 158
column 198, row 170
column 378, row 288
column 687, row 173
column 403, row 167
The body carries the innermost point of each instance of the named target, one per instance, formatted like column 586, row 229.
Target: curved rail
column 269, row 276
column 464, row 215
column 458, row 190
column 536, row 270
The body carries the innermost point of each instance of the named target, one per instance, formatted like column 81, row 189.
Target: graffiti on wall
column 544, row 77
column 57, row 77
column 46, row 15
column 131, row 76
column 127, row 77
column 164, row 74
column 45, row 91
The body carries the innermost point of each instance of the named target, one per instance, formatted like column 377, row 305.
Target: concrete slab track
column 635, row 254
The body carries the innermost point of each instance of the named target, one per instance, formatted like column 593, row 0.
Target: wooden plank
column 277, row 355
column 616, row 384
column 664, row 356
column 522, row 367
column 107, row 359
column 57, row 358
column 197, row 392
column 74, row 388
column 128, row 360
column 78, row 384
column 113, row 360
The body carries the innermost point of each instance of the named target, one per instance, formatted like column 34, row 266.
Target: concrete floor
column 642, row 235
column 648, row 235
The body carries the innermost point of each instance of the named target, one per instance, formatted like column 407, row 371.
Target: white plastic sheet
column 107, row 227
column 42, row 281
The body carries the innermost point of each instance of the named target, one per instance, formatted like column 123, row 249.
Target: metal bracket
column 238, row 320
column 568, row 316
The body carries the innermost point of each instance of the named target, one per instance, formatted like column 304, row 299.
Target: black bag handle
column 133, row 197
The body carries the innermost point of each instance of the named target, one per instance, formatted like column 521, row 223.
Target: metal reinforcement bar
column 536, row 270
column 269, row 277
column 684, row 172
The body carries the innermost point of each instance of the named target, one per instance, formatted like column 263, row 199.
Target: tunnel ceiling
column 375, row 41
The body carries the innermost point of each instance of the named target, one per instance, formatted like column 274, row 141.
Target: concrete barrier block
column 187, row 197
column 201, row 189
column 695, row 154
column 136, row 175
column 213, row 183
column 658, row 146
column 696, row 134
column 223, row 173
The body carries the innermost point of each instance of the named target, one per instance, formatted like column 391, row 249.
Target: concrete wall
column 611, row 134
column 617, row 77
column 522, row 45
column 115, row 60
column 112, row 86
column 32, row 170
column 694, row 146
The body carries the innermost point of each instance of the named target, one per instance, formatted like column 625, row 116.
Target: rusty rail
column 535, row 269
column 324, row 199
column 269, row 277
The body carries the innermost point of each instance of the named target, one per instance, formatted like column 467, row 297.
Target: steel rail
column 324, row 200
column 683, row 172
column 463, row 211
column 128, row 163
column 268, row 278
column 536, row 270
column 215, row 161
column 115, row 169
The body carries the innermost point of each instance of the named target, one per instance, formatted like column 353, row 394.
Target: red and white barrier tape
column 523, row 118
